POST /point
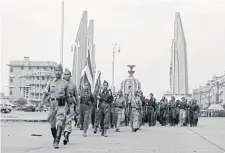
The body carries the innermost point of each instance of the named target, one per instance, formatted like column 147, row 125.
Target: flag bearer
column 86, row 102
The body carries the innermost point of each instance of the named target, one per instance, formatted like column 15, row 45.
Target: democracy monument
column 178, row 67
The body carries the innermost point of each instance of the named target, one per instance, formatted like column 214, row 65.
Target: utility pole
column 62, row 33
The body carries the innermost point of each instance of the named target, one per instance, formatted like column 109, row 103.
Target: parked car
column 5, row 108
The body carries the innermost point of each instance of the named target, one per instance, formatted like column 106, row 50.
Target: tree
column 21, row 101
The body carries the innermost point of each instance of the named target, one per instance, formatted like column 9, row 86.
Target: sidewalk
column 20, row 116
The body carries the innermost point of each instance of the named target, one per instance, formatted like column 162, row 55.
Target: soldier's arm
column 45, row 93
column 75, row 94
column 67, row 95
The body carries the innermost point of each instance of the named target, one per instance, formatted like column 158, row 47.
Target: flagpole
column 62, row 33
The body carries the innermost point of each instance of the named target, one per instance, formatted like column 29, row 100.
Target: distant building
column 212, row 93
column 28, row 78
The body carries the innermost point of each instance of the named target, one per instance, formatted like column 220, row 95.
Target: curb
column 23, row 120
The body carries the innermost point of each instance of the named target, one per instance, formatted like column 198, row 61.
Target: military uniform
column 119, row 105
column 136, row 106
column 151, row 111
column 194, row 111
column 86, row 102
column 57, row 91
column 105, row 101
column 72, row 99
column 172, row 112
column 182, row 106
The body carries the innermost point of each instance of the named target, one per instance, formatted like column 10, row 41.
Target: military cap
column 105, row 82
column 59, row 66
column 67, row 70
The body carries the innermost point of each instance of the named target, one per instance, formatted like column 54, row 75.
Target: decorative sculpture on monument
column 129, row 85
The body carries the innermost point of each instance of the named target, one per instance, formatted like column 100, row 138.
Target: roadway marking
column 204, row 138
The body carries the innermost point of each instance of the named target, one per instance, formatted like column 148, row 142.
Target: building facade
column 212, row 93
column 28, row 78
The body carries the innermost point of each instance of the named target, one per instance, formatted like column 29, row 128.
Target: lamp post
column 115, row 46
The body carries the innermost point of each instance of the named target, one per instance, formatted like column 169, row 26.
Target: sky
column 144, row 29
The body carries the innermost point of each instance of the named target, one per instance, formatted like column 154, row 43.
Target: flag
column 87, row 74
column 97, row 84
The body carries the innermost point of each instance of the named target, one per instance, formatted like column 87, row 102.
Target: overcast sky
column 144, row 28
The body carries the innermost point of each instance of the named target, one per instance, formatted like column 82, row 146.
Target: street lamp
column 115, row 46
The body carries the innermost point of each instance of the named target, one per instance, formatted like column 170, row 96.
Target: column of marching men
column 104, row 111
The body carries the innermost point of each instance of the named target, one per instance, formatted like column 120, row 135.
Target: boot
column 117, row 130
column 85, row 134
column 105, row 135
column 58, row 137
column 81, row 127
column 54, row 132
column 95, row 130
column 66, row 138
column 102, row 132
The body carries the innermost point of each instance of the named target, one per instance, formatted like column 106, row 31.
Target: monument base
column 177, row 96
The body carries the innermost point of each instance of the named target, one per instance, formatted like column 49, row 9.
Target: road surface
column 208, row 137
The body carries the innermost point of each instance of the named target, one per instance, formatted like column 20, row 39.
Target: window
column 44, row 68
column 37, row 67
column 29, row 67
column 11, row 70
column 51, row 68
column 43, row 77
column 38, row 85
column 37, row 77
column 21, row 67
column 11, row 80
column 47, row 77
column 10, row 93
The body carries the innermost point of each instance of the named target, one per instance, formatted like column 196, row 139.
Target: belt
column 119, row 106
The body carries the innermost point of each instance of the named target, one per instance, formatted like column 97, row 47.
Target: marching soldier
column 97, row 110
column 182, row 106
column 57, row 91
column 151, row 110
column 106, row 100
column 73, row 98
column 136, row 106
column 86, row 102
column 194, row 111
column 127, row 118
column 163, row 111
column 172, row 111
column 119, row 105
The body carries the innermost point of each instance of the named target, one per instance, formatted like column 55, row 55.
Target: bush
column 21, row 101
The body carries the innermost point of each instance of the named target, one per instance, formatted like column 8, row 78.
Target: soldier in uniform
column 136, row 106
column 119, row 105
column 86, row 102
column 97, row 110
column 106, row 100
column 126, row 110
column 73, row 98
column 182, row 106
column 57, row 91
column 194, row 111
column 172, row 111
column 151, row 110
column 163, row 111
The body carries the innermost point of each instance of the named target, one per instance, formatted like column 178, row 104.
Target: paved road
column 209, row 137
column 25, row 115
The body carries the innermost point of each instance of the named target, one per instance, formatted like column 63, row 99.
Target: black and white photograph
column 112, row 76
